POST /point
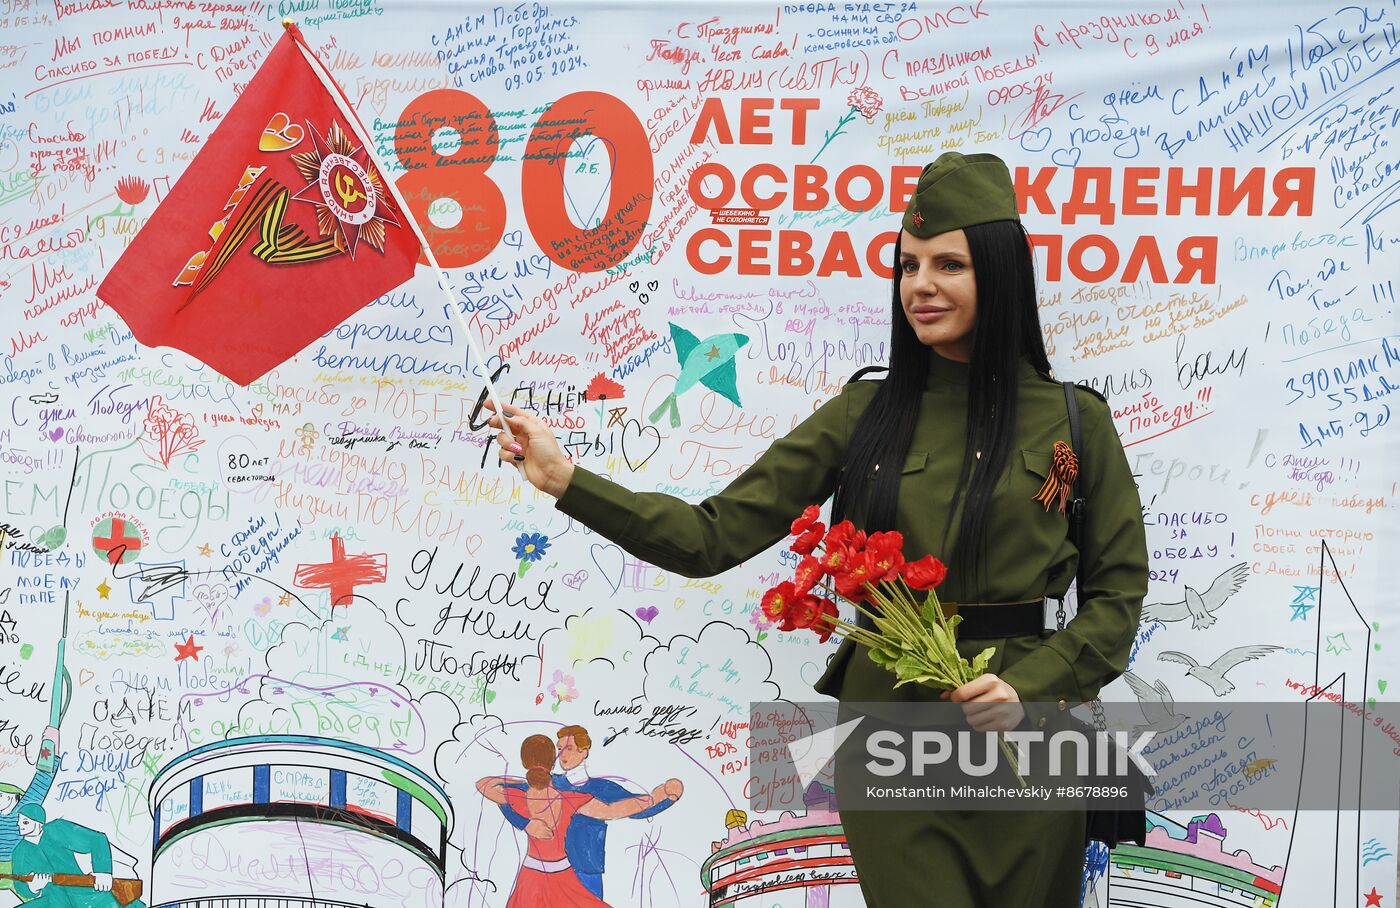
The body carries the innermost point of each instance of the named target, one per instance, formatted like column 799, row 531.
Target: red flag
column 278, row 231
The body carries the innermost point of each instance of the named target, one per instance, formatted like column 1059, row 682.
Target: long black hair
column 1006, row 330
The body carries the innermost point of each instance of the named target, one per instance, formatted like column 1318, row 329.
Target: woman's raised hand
column 535, row 448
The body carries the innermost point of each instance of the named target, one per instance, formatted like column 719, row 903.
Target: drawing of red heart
column 280, row 133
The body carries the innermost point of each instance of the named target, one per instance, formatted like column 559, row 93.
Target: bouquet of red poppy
column 914, row 641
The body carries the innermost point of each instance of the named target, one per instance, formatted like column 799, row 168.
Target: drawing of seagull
column 1156, row 703
column 1214, row 674
column 1201, row 607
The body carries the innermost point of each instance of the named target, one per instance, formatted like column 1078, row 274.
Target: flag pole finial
column 287, row 23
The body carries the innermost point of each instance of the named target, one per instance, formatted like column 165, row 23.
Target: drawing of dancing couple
column 565, row 814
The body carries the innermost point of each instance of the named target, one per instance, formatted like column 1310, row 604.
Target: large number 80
column 461, row 176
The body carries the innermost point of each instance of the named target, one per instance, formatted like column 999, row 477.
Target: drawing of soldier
column 12, row 798
column 46, row 857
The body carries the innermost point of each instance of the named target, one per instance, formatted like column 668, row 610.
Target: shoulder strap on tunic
column 1076, row 442
column 1090, row 390
column 865, row 369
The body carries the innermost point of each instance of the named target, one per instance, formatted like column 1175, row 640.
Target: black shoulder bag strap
column 836, row 515
column 1077, row 504
column 1076, row 508
column 1107, row 826
column 862, row 620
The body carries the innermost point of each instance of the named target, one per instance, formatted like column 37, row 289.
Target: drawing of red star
column 188, row 649
column 1373, row 898
column 345, row 188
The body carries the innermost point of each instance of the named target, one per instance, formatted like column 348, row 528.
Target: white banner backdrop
column 1211, row 188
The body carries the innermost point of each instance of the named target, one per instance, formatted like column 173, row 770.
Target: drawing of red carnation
column 866, row 100
column 603, row 388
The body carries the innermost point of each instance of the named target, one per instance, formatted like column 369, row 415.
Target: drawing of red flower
column 866, row 100
column 132, row 190
column 168, row 432
column 603, row 388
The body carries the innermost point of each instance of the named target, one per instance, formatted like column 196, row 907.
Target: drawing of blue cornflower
column 529, row 547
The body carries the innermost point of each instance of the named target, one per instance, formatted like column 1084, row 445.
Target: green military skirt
column 951, row 858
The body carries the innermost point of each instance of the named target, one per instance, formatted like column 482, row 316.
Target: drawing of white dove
column 1156, row 703
column 1201, row 607
column 1214, row 674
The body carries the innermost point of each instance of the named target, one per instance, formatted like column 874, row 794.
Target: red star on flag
column 347, row 194
column 188, row 649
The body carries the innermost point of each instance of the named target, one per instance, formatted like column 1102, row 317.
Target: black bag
column 1107, row 826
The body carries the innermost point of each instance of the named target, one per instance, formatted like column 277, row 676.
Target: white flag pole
column 353, row 119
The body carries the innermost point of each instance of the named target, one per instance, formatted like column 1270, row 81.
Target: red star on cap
column 188, row 649
column 918, row 219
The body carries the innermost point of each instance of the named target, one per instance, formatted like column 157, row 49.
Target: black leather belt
column 983, row 620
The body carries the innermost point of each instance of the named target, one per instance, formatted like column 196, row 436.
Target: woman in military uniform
column 951, row 449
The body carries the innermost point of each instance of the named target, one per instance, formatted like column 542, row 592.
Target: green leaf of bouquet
column 911, row 665
column 932, row 680
column 919, row 680
column 945, row 646
column 890, row 657
column 883, row 657
column 886, row 626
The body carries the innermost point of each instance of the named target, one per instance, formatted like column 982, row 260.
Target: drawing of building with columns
column 289, row 821
column 1189, row 867
column 795, row 861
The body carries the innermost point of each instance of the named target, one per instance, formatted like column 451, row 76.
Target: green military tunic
column 948, row 858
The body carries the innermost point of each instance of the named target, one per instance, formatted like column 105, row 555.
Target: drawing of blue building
column 288, row 821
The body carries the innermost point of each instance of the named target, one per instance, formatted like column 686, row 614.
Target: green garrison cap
column 7, row 788
column 958, row 191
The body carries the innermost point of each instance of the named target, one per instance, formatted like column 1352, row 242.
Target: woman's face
column 938, row 292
